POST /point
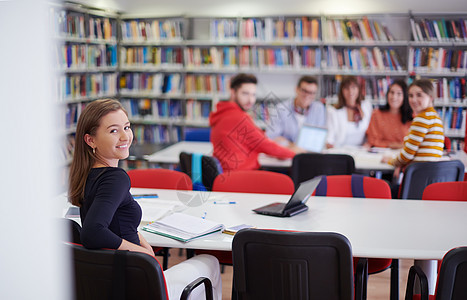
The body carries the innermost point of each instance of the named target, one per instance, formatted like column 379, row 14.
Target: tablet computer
column 312, row 138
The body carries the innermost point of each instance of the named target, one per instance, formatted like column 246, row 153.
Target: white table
column 364, row 160
column 376, row 228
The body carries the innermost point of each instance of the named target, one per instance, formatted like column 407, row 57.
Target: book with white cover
column 183, row 227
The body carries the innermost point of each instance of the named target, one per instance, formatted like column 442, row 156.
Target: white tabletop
column 364, row 160
column 377, row 228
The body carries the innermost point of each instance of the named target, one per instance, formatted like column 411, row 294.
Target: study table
column 364, row 160
column 376, row 228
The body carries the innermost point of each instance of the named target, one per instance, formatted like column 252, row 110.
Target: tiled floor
column 378, row 284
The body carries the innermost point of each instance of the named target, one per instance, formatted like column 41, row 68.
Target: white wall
column 31, row 261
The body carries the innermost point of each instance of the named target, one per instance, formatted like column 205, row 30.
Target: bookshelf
column 438, row 50
column 200, row 54
column 169, row 72
column 86, row 60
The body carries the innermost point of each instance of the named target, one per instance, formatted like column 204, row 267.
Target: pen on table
column 204, row 215
column 225, row 202
column 146, row 196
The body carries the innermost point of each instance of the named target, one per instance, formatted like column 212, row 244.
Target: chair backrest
column 159, row 179
column 341, row 186
column 271, row 264
column 197, row 134
column 210, row 168
column 453, row 275
column 450, row 191
column 419, row 175
column 309, row 165
column 254, row 181
column 74, row 231
column 114, row 274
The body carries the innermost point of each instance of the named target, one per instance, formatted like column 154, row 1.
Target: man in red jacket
column 236, row 139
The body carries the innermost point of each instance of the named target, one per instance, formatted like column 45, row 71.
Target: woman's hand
column 145, row 243
column 386, row 159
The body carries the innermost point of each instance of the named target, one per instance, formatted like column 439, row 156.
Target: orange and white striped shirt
column 425, row 141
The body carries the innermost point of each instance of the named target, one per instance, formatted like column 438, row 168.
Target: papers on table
column 183, row 227
column 155, row 209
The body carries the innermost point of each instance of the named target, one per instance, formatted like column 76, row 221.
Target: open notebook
column 183, row 227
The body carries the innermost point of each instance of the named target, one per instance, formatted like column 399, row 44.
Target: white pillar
column 32, row 261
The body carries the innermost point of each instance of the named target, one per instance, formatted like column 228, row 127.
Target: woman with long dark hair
column 390, row 124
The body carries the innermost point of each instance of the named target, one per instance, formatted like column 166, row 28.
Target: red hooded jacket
column 237, row 141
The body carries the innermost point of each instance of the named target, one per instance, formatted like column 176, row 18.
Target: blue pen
column 146, row 196
column 225, row 202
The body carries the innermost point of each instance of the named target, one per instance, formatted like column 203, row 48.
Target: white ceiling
column 276, row 7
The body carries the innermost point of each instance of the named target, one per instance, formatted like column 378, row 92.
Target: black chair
column 452, row 278
column 270, row 264
column 419, row 175
column 115, row 274
column 210, row 167
column 309, row 165
column 74, row 231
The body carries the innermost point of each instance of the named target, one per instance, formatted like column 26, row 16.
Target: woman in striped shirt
column 425, row 141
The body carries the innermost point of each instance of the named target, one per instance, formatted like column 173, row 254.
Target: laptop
column 296, row 203
column 312, row 138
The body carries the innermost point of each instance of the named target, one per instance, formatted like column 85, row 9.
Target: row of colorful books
column 210, row 57
column 207, row 84
column 139, row 56
column 439, row 30
column 197, row 109
column 156, row 134
column 453, row 117
column 357, row 30
column 74, row 87
column 78, row 25
column 155, row 110
column 269, row 29
column 223, row 29
column 82, row 56
column 152, row 109
column 150, row 83
column 303, row 57
column 457, row 145
column 450, row 89
column 73, row 111
column 147, row 30
column 362, row 59
column 371, row 88
column 437, row 59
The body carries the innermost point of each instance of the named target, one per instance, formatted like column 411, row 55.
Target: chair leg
column 394, row 293
column 165, row 261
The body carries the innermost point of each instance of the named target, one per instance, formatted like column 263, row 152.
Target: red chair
column 251, row 181
column 159, row 179
column 449, row 191
column 447, row 144
column 341, row 186
column 254, row 181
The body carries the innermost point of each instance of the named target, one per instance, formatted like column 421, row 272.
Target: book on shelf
column 183, row 227
column 439, row 30
column 357, row 30
column 156, row 30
